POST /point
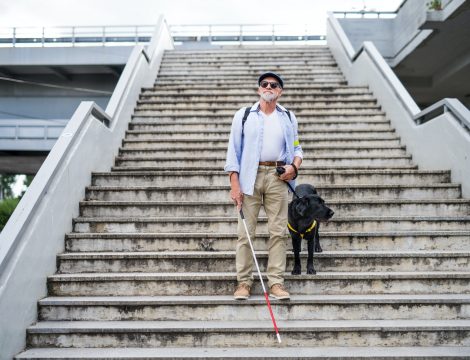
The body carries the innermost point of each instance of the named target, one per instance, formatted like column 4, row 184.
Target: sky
column 145, row 12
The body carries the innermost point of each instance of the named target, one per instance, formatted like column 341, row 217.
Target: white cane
column 261, row 278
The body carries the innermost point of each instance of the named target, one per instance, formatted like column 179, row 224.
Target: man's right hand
column 237, row 197
column 235, row 192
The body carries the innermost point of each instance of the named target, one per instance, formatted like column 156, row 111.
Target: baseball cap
column 271, row 74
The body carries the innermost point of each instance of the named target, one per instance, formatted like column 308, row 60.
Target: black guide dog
column 306, row 211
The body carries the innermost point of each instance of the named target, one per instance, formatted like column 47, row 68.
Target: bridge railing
column 141, row 34
column 30, row 134
column 75, row 36
column 34, row 235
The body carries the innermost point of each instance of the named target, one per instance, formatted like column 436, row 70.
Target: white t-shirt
column 273, row 148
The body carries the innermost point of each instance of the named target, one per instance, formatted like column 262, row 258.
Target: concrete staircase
column 148, row 270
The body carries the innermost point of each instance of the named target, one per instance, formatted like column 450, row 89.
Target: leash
column 280, row 170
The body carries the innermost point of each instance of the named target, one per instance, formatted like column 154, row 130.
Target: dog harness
column 310, row 229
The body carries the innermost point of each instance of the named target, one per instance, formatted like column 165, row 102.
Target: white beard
column 268, row 97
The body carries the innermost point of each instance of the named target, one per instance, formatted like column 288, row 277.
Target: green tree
column 27, row 181
column 7, row 207
column 6, row 185
column 8, row 204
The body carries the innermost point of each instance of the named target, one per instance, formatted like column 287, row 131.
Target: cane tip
column 278, row 338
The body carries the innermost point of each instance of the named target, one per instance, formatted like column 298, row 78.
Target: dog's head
column 312, row 206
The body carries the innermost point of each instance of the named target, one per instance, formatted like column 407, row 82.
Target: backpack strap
column 245, row 116
column 288, row 114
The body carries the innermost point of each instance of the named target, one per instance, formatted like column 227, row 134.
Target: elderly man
column 263, row 137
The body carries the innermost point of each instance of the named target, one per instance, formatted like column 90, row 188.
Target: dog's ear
column 301, row 206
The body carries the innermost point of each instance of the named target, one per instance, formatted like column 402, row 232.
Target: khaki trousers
column 272, row 193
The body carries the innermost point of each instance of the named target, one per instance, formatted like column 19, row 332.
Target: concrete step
column 307, row 119
column 208, row 168
column 248, row 82
column 216, row 225
column 257, row 353
column 268, row 63
column 334, row 140
column 261, row 63
column 294, row 105
column 220, row 112
column 435, row 240
column 328, row 192
column 221, row 122
column 224, row 135
column 211, row 161
column 313, row 176
column 221, row 151
column 253, row 51
column 306, row 89
column 173, row 97
column 272, row 64
column 224, row 308
column 323, row 283
column 325, row 66
column 223, row 87
column 249, row 333
column 324, row 70
column 245, row 63
column 219, row 261
column 302, row 89
column 361, row 207
column 303, row 126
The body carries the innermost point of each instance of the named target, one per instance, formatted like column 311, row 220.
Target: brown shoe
column 242, row 292
column 278, row 292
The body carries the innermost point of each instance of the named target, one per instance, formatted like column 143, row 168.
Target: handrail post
column 42, row 39
column 273, row 37
column 241, row 35
column 14, row 36
column 104, row 36
column 73, row 36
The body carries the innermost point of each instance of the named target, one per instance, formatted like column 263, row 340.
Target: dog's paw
column 311, row 271
column 296, row 271
column 318, row 249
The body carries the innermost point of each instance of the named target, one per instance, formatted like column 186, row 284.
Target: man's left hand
column 289, row 174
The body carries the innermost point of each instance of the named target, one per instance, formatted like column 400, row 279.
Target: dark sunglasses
column 274, row 85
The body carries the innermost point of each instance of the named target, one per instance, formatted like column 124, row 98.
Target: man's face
column 269, row 89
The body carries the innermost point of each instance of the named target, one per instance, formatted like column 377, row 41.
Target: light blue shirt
column 243, row 156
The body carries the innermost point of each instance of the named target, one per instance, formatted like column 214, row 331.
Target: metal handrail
column 75, row 35
column 366, row 14
column 102, row 35
column 452, row 105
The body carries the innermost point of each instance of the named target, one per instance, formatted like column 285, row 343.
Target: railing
column 447, row 105
column 366, row 14
column 30, row 135
column 369, row 14
column 75, row 36
column 246, row 33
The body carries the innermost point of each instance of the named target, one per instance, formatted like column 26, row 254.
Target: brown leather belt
column 272, row 163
